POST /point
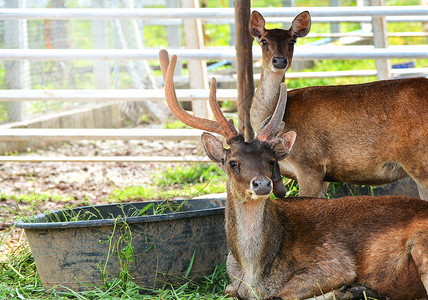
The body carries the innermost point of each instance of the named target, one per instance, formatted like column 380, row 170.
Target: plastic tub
column 73, row 254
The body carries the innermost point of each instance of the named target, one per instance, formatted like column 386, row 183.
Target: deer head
column 252, row 168
column 278, row 44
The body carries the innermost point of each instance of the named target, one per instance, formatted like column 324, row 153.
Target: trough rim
column 34, row 224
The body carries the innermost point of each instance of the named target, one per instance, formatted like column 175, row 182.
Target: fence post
column 198, row 76
column 17, row 72
column 100, row 41
column 424, row 24
column 244, row 59
column 335, row 26
column 173, row 35
column 380, row 40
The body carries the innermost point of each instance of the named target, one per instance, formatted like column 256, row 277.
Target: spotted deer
column 373, row 133
column 302, row 247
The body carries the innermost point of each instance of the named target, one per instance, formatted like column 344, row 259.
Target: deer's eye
column 233, row 164
column 264, row 42
column 271, row 162
column 292, row 42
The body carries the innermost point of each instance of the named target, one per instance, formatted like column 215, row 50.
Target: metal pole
column 198, row 76
column 173, row 34
column 380, row 40
column 300, row 53
column 204, row 13
column 100, row 41
column 17, row 72
column 335, row 26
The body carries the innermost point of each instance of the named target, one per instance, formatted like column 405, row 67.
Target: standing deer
column 298, row 248
column 373, row 133
column 277, row 54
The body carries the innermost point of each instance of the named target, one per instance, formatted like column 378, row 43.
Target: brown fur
column 295, row 248
column 301, row 247
column 373, row 133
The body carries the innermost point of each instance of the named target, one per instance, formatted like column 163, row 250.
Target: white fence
column 319, row 14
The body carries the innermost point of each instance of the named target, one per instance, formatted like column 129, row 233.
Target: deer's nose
column 280, row 62
column 261, row 186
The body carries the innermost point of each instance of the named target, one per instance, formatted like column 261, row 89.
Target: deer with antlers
column 301, row 247
column 373, row 133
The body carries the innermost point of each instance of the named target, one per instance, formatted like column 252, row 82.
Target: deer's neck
column 253, row 236
column 265, row 97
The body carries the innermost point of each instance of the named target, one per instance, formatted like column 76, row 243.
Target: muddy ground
column 92, row 182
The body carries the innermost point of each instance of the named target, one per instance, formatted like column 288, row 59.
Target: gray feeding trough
column 75, row 254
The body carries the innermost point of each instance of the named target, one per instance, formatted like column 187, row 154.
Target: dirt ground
column 92, row 182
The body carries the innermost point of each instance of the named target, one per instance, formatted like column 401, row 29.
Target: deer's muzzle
column 261, row 186
column 280, row 62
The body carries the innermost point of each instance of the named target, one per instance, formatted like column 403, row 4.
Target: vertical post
column 173, row 35
column 100, row 41
column 365, row 27
column 193, row 39
column 380, row 40
column 335, row 26
column 424, row 24
column 244, row 59
column 17, row 72
column 288, row 3
column 232, row 28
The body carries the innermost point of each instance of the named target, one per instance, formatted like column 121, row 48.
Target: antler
column 227, row 126
column 274, row 124
column 222, row 126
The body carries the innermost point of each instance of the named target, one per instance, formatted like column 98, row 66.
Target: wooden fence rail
column 176, row 16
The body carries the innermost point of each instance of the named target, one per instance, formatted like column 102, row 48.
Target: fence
column 319, row 14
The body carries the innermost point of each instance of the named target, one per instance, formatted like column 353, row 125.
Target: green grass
column 19, row 279
column 18, row 276
column 36, row 197
column 175, row 125
column 182, row 181
column 197, row 173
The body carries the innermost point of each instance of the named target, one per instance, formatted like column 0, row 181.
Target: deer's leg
column 321, row 277
column 423, row 191
column 355, row 292
column 235, row 274
column 311, row 183
column 418, row 170
column 328, row 296
column 301, row 287
column 419, row 253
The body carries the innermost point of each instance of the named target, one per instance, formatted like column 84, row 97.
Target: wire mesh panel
column 73, row 74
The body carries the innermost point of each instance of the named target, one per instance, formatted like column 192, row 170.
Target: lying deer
column 298, row 248
column 373, row 133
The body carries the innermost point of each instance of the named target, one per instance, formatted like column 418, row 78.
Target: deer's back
column 394, row 104
column 354, row 127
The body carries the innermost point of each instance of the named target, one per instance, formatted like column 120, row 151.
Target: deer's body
column 302, row 247
column 376, row 134
column 373, row 133
column 307, row 245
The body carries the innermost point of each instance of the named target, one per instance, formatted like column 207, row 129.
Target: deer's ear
column 213, row 147
column 279, row 189
column 283, row 144
column 301, row 25
column 257, row 25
